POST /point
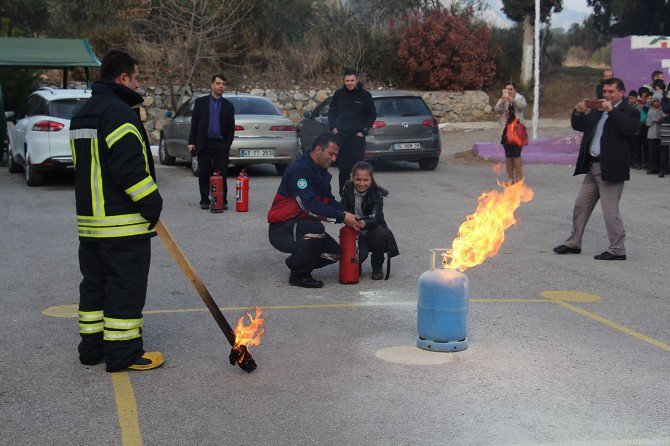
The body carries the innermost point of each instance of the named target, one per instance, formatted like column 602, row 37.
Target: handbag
column 664, row 131
column 516, row 134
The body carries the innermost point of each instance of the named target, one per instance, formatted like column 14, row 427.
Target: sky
column 577, row 5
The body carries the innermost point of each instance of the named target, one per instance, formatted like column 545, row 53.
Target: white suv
column 39, row 140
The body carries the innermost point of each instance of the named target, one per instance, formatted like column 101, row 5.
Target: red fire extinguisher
column 242, row 192
column 216, row 192
column 349, row 261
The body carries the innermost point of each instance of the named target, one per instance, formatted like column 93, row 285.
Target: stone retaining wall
column 467, row 106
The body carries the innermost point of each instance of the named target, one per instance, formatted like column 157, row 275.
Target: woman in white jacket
column 510, row 106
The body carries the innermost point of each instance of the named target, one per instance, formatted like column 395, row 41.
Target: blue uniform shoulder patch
column 302, row 183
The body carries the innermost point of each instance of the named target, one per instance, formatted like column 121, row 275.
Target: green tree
column 26, row 18
column 622, row 18
column 523, row 11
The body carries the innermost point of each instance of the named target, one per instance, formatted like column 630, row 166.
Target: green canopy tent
column 17, row 52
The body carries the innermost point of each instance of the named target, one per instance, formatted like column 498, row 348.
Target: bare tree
column 184, row 35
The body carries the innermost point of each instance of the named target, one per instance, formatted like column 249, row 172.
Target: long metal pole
column 536, row 89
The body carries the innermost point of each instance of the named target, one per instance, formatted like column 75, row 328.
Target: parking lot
column 564, row 350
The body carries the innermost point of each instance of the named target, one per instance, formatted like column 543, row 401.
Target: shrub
column 446, row 49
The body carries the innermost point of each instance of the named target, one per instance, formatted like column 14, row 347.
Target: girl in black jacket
column 363, row 197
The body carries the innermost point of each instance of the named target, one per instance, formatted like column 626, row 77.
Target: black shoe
column 91, row 359
column 661, row 175
column 563, row 249
column 304, row 281
column 609, row 256
column 377, row 273
column 652, row 172
column 204, row 206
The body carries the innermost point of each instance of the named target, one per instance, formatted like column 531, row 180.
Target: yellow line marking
column 62, row 311
column 70, row 311
column 614, row 325
column 570, row 296
column 333, row 305
column 618, row 442
column 127, row 408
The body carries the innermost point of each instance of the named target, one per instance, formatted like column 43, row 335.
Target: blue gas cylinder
column 442, row 310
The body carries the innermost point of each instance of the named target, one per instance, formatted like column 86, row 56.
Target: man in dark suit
column 604, row 156
column 212, row 133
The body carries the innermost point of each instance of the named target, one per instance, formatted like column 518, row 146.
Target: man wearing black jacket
column 350, row 117
column 212, row 133
column 118, row 205
column 604, row 156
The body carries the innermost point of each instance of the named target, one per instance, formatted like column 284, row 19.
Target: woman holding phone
column 511, row 106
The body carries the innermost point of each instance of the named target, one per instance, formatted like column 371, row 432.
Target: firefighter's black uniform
column 118, row 204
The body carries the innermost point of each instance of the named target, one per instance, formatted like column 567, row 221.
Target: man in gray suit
column 604, row 156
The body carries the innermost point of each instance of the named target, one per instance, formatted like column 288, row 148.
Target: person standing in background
column 511, row 106
column 350, row 117
column 212, row 134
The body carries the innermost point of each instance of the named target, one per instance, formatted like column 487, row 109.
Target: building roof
column 46, row 53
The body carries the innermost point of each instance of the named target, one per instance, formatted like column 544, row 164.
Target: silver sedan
column 262, row 134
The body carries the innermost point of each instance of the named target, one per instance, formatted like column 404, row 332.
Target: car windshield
column 410, row 106
column 65, row 108
column 253, row 106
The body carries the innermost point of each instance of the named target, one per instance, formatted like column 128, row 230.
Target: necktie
column 215, row 124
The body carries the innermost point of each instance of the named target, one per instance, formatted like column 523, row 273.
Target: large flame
column 483, row 232
column 249, row 334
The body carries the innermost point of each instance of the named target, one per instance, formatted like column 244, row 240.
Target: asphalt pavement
column 563, row 350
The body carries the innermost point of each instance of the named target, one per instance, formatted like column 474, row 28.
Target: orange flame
column 498, row 168
column 249, row 334
column 483, row 232
column 517, row 137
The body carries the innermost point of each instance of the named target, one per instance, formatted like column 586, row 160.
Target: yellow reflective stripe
column 122, row 324
column 97, row 197
column 74, row 153
column 90, row 316
column 125, row 335
column 91, row 328
column 116, row 231
column 84, row 134
column 141, row 189
column 110, row 220
column 122, row 131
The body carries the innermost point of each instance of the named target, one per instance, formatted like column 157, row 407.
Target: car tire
column 33, row 177
column 12, row 165
column 281, row 168
column 428, row 163
column 194, row 166
column 163, row 155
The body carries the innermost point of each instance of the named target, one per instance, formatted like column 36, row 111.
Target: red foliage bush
column 444, row 50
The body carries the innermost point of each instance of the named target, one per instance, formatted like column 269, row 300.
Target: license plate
column 257, row 153
column 407, row 146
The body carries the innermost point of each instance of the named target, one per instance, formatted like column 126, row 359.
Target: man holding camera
column 604, row 156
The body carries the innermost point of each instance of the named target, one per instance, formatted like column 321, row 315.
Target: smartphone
column 593, row 103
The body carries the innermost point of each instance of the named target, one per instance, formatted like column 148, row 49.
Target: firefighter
column 118, row 205
column 303, row 200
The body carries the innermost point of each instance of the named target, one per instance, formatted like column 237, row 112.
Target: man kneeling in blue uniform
column 304, row 200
